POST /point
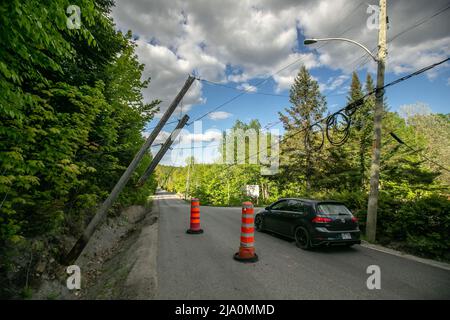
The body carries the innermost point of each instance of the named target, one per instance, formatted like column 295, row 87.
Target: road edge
column 142, row 281
column 433, row 263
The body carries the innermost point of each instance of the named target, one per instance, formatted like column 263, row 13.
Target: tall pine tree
column 308, row 106
column 361, row 130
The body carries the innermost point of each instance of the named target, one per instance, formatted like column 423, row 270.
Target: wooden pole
column 372, row 206
column 163, row 150
column 107, row 204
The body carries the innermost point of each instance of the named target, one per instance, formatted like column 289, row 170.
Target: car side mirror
column 267, row 208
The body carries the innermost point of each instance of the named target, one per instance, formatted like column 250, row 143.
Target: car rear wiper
column 343, row 214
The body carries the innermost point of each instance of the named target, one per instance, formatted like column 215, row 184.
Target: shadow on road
column 160, row 192
column 336, row 249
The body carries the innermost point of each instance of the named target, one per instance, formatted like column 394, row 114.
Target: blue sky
column 435, row 93
column 240, row 43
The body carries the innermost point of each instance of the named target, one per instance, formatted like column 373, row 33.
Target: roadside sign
column 252, row 191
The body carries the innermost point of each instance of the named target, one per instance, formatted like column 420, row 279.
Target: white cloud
column 186, row 137
column 247, row 87
column 333, row 83
column 412, row 50
column 413, row 57
column 209, row 136
column 219, row 115
column 285, row 77
column 168, row 74
column 254, row 39
column 177, row 38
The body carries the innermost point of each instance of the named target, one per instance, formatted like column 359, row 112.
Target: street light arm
column 310, row 41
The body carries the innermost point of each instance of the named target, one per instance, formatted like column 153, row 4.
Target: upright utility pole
column 102, row 211
column 372, row 206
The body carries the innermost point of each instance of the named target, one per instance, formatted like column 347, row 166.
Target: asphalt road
column 202, row 266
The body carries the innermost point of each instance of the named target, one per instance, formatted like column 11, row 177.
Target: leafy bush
column 71, row 117
column 424, row 224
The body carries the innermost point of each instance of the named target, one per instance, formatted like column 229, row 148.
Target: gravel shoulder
column 119, row 261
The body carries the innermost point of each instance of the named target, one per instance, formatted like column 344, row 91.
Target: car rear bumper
column 323, row 236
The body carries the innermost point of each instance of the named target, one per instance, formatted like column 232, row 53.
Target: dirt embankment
column 119, row 261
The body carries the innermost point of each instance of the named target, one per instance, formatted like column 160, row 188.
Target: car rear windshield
column 332, row 209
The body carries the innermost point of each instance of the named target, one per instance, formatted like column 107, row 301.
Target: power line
column 245, row 91
column 269, row 77
column 167, row 123
column 237, row 89
column 366, row 59
column 393, row 135
column 385, row 86
column 362, row 63
column 353, row 105
column 420, row 22
column 416, row 73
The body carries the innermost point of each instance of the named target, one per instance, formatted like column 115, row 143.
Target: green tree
column 71, row 113
column 435, row 128
column 239, row 137
column 362, row 126
column 308, row 106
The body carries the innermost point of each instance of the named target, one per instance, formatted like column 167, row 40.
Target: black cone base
column 245, row 260
column 190, row 231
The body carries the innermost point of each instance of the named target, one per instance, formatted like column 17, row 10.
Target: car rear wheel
column 302, row 238
column 258, row 222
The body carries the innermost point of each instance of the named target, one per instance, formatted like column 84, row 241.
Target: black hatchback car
column 310, row 222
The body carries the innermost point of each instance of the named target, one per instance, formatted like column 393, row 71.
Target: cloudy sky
column 239, row 44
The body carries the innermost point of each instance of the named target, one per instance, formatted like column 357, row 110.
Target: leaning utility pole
column 107, row 204
column 372, row 206
column 163, row 150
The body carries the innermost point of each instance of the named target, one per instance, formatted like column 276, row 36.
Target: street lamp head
column 309, row 41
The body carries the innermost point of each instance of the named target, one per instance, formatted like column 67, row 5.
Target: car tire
column 302, row 238
column 258, row 223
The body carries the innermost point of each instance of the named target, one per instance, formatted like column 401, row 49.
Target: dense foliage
column 414, row 209
column 71, row 113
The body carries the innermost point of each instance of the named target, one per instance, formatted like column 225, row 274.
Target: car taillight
column 354, row 219
column 321, row 220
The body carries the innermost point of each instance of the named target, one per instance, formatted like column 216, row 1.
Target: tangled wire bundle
column 309, row 140
column 338, row 128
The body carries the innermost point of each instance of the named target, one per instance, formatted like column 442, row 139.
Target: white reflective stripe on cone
column 247, row 235
column 247, row 245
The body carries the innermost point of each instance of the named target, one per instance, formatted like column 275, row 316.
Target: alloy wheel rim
column 258, row 222
column 301, row 238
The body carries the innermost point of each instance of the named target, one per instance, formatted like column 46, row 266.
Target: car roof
column 311, row 201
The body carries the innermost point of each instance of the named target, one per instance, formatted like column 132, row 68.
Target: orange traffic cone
column 247, row 249
column 195, row 217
